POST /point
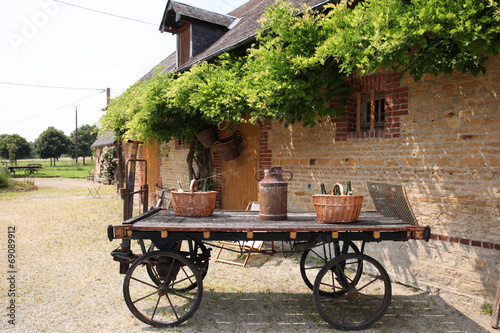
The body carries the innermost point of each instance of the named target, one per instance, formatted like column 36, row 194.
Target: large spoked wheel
column 170, row 302
column 352, row 305
column 313, row 260
column 197, row 253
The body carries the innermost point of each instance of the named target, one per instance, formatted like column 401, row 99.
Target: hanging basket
column 337, row 208
column 193, row 203
column 228, row 148
column 207, row 137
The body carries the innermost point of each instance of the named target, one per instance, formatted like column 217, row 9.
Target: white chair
column 94, row 189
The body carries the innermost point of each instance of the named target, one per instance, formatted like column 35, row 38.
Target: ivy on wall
column 302, row 60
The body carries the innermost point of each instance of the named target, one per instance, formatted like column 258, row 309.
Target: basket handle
column 193, row 187
column 340, row 187
column 233, row 136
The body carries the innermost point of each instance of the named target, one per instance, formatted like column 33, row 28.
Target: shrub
column 108, row 164
column 4, row 177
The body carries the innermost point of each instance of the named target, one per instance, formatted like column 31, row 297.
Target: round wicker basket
column 337, row 208
column 193, row 203
column 207, row 137
column 228, row 147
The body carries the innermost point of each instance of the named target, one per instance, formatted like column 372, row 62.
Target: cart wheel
column 200, row 256
column 313, row 260
column 174, row 300
column 352, row 305
column 198, row 253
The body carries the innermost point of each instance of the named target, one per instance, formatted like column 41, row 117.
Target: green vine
column 303, row 59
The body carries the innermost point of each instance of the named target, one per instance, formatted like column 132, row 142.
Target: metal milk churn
column 273, row 194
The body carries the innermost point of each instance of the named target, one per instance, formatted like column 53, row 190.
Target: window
column 381, row 93
column 378, row 113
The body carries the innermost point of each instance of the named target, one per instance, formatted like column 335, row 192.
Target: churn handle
column 291, row 175
column 255, row 175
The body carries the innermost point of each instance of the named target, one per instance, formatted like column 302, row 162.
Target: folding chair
column 244, row 248
column 90, row 176
column 94, row 189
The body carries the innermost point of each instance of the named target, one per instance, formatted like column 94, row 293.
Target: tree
column 87, row 134
column 52, row 143
column 14, row 147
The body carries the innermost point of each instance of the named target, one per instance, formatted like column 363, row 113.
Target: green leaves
column 301, row 61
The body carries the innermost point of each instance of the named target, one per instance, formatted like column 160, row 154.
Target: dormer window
column 184, row 45
column 196, row 29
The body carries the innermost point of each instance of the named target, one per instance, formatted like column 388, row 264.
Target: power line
column 98, row 11
column 44, row 113
column 51, row 87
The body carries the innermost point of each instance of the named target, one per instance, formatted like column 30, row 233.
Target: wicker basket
column 193, row 203
column 228, row 148
column 207, row 137
column 337, row 208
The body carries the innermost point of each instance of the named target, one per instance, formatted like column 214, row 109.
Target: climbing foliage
column 302, row 59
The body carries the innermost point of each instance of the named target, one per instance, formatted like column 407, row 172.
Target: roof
column 176, row 12
column 107, row 139
column 240, row 34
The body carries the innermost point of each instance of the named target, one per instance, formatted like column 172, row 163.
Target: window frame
column 365, row 112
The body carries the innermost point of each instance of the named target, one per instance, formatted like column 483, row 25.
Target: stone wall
column 172, row 165
column 447, row 154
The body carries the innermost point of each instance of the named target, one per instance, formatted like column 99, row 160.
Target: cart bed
column 223, row 222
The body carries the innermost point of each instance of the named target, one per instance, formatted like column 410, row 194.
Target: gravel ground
column 66, row 281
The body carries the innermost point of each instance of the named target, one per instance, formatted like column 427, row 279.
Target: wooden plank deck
column 244, row 221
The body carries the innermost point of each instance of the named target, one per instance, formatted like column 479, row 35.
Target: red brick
column 443, row 238
column 392, row 85
column 401, row 90
column 475, row 243
column 465, row 241
column 454, row 239
column 488, row 245
column 400, row 113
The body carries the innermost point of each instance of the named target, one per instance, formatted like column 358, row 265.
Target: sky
column 56, row 59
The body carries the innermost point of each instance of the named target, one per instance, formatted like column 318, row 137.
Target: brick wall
column 172, row 165
column 442, row 141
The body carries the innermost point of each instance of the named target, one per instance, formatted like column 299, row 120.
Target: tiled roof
column 242, row 33
column 106, row 140
column 176, row 11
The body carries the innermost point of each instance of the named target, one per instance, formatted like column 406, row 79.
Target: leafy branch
column 304, row 59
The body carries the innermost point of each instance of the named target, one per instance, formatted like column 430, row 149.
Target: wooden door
column 239, row 186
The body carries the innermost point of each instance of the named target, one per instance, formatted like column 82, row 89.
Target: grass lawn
column 64, row 168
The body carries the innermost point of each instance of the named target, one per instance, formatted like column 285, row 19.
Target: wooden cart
column 163, row 286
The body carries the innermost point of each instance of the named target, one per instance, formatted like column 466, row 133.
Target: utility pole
column 76, row 134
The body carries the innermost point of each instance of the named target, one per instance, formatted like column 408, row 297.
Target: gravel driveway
column 64, row 279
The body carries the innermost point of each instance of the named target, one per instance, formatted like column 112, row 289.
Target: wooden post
column 128, row 202
column 125, row 246
column 145, row 199
column 131, row 173
column 119, row 166
column 495, row 317
column 372, row 110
